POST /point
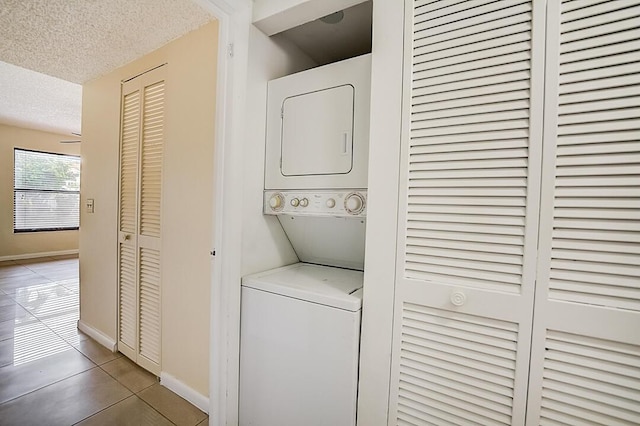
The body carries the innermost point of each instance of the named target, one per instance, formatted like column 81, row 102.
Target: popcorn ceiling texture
column 38, row 101
column 79, row 40
column 76, row 41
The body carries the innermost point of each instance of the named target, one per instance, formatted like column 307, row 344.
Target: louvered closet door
column 586, row 347
column 468, row 212
column 141, row 306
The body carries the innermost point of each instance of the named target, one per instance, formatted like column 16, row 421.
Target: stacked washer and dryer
column 300, row 324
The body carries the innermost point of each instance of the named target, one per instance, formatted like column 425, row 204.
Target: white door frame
column 234, row 18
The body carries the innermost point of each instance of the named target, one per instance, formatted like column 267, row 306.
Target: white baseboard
column 37, row 255
column 98, row 336
column 176, row 386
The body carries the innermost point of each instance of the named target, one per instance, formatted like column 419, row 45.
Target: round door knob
column 304, row 202
column 458, row 298
column 295, row 202
column 354, row 203
column 276, row 202
column 331, row 203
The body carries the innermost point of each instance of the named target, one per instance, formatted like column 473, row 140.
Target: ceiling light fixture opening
column 333, row 18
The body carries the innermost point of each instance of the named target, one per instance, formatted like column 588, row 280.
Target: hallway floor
column 53, row 374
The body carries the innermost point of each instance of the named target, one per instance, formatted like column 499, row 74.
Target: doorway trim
column 234, row 18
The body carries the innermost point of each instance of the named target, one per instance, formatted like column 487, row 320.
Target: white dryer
column 318, row 127
column 316, row 160
column 300, row 328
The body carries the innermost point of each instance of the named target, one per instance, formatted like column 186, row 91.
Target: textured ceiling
column 76, row 41
column 38, row 101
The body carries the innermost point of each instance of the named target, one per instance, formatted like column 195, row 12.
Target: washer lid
column 326, row 285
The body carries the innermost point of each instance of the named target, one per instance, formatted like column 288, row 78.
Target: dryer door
column 317, row 132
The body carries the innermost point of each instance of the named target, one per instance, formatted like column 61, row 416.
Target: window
column 46, row 191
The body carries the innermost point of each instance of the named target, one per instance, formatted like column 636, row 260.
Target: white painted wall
column 264, row 243
column 384, row 170
column 28, row 244
column 187, row 212
column 274, row 16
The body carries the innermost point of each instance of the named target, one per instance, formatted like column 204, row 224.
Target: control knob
column 276, row 202
column 331, row 203
column 354, row 203
column 295, row 202
column 304, row 202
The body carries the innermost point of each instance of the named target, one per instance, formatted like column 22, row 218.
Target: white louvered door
column 585, row 366
column 139, row 330
column 468, row 212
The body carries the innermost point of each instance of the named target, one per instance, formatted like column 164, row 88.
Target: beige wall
column 187, row 215
column 26, row 244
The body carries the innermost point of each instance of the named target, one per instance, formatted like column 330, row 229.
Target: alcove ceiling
column 48, row 48
column 341, row 35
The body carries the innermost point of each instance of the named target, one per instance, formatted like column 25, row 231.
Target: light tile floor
column 53, row 374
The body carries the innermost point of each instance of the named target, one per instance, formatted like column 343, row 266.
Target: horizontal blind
column 469, row 139
column 46, row 191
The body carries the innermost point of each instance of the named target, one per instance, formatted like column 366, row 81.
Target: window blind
column 46, row 191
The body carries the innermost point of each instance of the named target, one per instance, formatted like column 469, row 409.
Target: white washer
column 300, row 334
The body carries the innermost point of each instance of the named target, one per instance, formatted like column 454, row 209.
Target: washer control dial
column 295, row 202
column 331, row 203
column 354, row 203
column 276, row 202
column 304, row 202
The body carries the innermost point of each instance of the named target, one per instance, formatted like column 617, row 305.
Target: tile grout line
column 105, row 408
column 136, row 394
column 52, row 383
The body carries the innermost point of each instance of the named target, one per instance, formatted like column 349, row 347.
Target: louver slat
column 455, row 367
column 150, row 304
column 151, row 159
column 590, row 380
column 127, row 294
column 595, row 259
column 469, row 142
column 129, row 162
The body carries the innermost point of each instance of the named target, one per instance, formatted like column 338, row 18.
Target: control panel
column 345, row 203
